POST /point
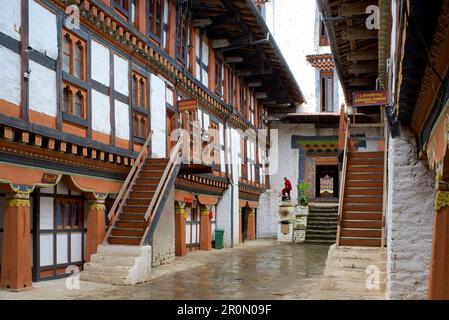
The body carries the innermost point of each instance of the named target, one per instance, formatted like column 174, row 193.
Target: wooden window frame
column 124, row 8
column 219, row 76
column 73, row 91
column 326, row 76
column 252, row 109
column 199, row 60
column 152, row 6
column 75, row 40
column 182, row 38
column 140, row 108
column 63, row 201
column 231, row 86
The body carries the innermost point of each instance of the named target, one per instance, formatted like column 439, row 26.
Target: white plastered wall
column 42, row 80
column 122, row 120
column 10, row 19
column 158, row 116
column 100, row 63
column 10, row 79
column 101, row 113
column 121, row 75
column 43, row 30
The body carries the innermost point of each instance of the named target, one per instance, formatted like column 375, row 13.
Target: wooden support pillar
column 96, row 226
column 251, row 225
column 205, row 229
column 16, row 254
column 439, row 265
column 180, row 229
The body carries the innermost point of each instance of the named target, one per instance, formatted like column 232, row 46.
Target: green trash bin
column 219, row 238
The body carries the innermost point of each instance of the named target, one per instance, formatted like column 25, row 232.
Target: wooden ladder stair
column 138, row 206
column 130, row 225
column 361, row 220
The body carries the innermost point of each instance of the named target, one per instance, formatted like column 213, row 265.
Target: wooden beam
column 201, row 23
column 353, row 9
column 363, row 68
column 363, row 55
column 359, row 34
column 361, row 83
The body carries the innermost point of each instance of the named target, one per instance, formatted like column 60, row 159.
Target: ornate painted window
column 252, row 109
column 139, row 101
column 74, row 101
column 74, row 55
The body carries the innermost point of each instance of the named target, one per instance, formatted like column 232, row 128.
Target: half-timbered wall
column 61, row 231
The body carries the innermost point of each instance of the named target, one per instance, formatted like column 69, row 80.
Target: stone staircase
column 119, row 265
column 358, row 272
column 322, row 223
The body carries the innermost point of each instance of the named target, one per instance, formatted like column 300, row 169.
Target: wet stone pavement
column 256, row 270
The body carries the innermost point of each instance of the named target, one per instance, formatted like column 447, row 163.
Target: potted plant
column 303, row 193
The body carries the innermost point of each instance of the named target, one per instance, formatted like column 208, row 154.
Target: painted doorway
column 244, row 224
column 193, row 228
column 326, row 182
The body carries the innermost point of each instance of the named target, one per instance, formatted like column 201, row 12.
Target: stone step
column 319, row 231
column 314, row 218
column 351, row 285
column 321, row 236
column 321, row 241
column 355, row 264
column 121, row 250
column 113, row 260
column 104, row 277
column 354, row 256
column 113, row 269
column 353, row 274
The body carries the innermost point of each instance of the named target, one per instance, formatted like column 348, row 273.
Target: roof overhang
column 355, row 48
column 246, row 43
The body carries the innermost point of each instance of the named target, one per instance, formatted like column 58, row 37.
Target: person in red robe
column 287, row 189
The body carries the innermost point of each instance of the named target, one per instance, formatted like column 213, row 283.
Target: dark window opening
column 327, row 91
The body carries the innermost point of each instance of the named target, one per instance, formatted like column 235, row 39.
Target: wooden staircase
column 130, row 225
column 137, row 208
column 361, row 219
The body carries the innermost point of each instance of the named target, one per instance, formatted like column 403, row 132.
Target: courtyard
column 262, row 269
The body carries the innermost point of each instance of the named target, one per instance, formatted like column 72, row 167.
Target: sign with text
column 370, row 98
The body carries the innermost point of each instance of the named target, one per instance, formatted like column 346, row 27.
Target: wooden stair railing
column 127, row 185
column 161, row 194
column 343, row 181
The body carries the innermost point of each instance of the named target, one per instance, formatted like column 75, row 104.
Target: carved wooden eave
column 251, row 191
column 238, row 30
column 202, row 184
column 101, row 20
column 22, row 147
column 324, row 62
